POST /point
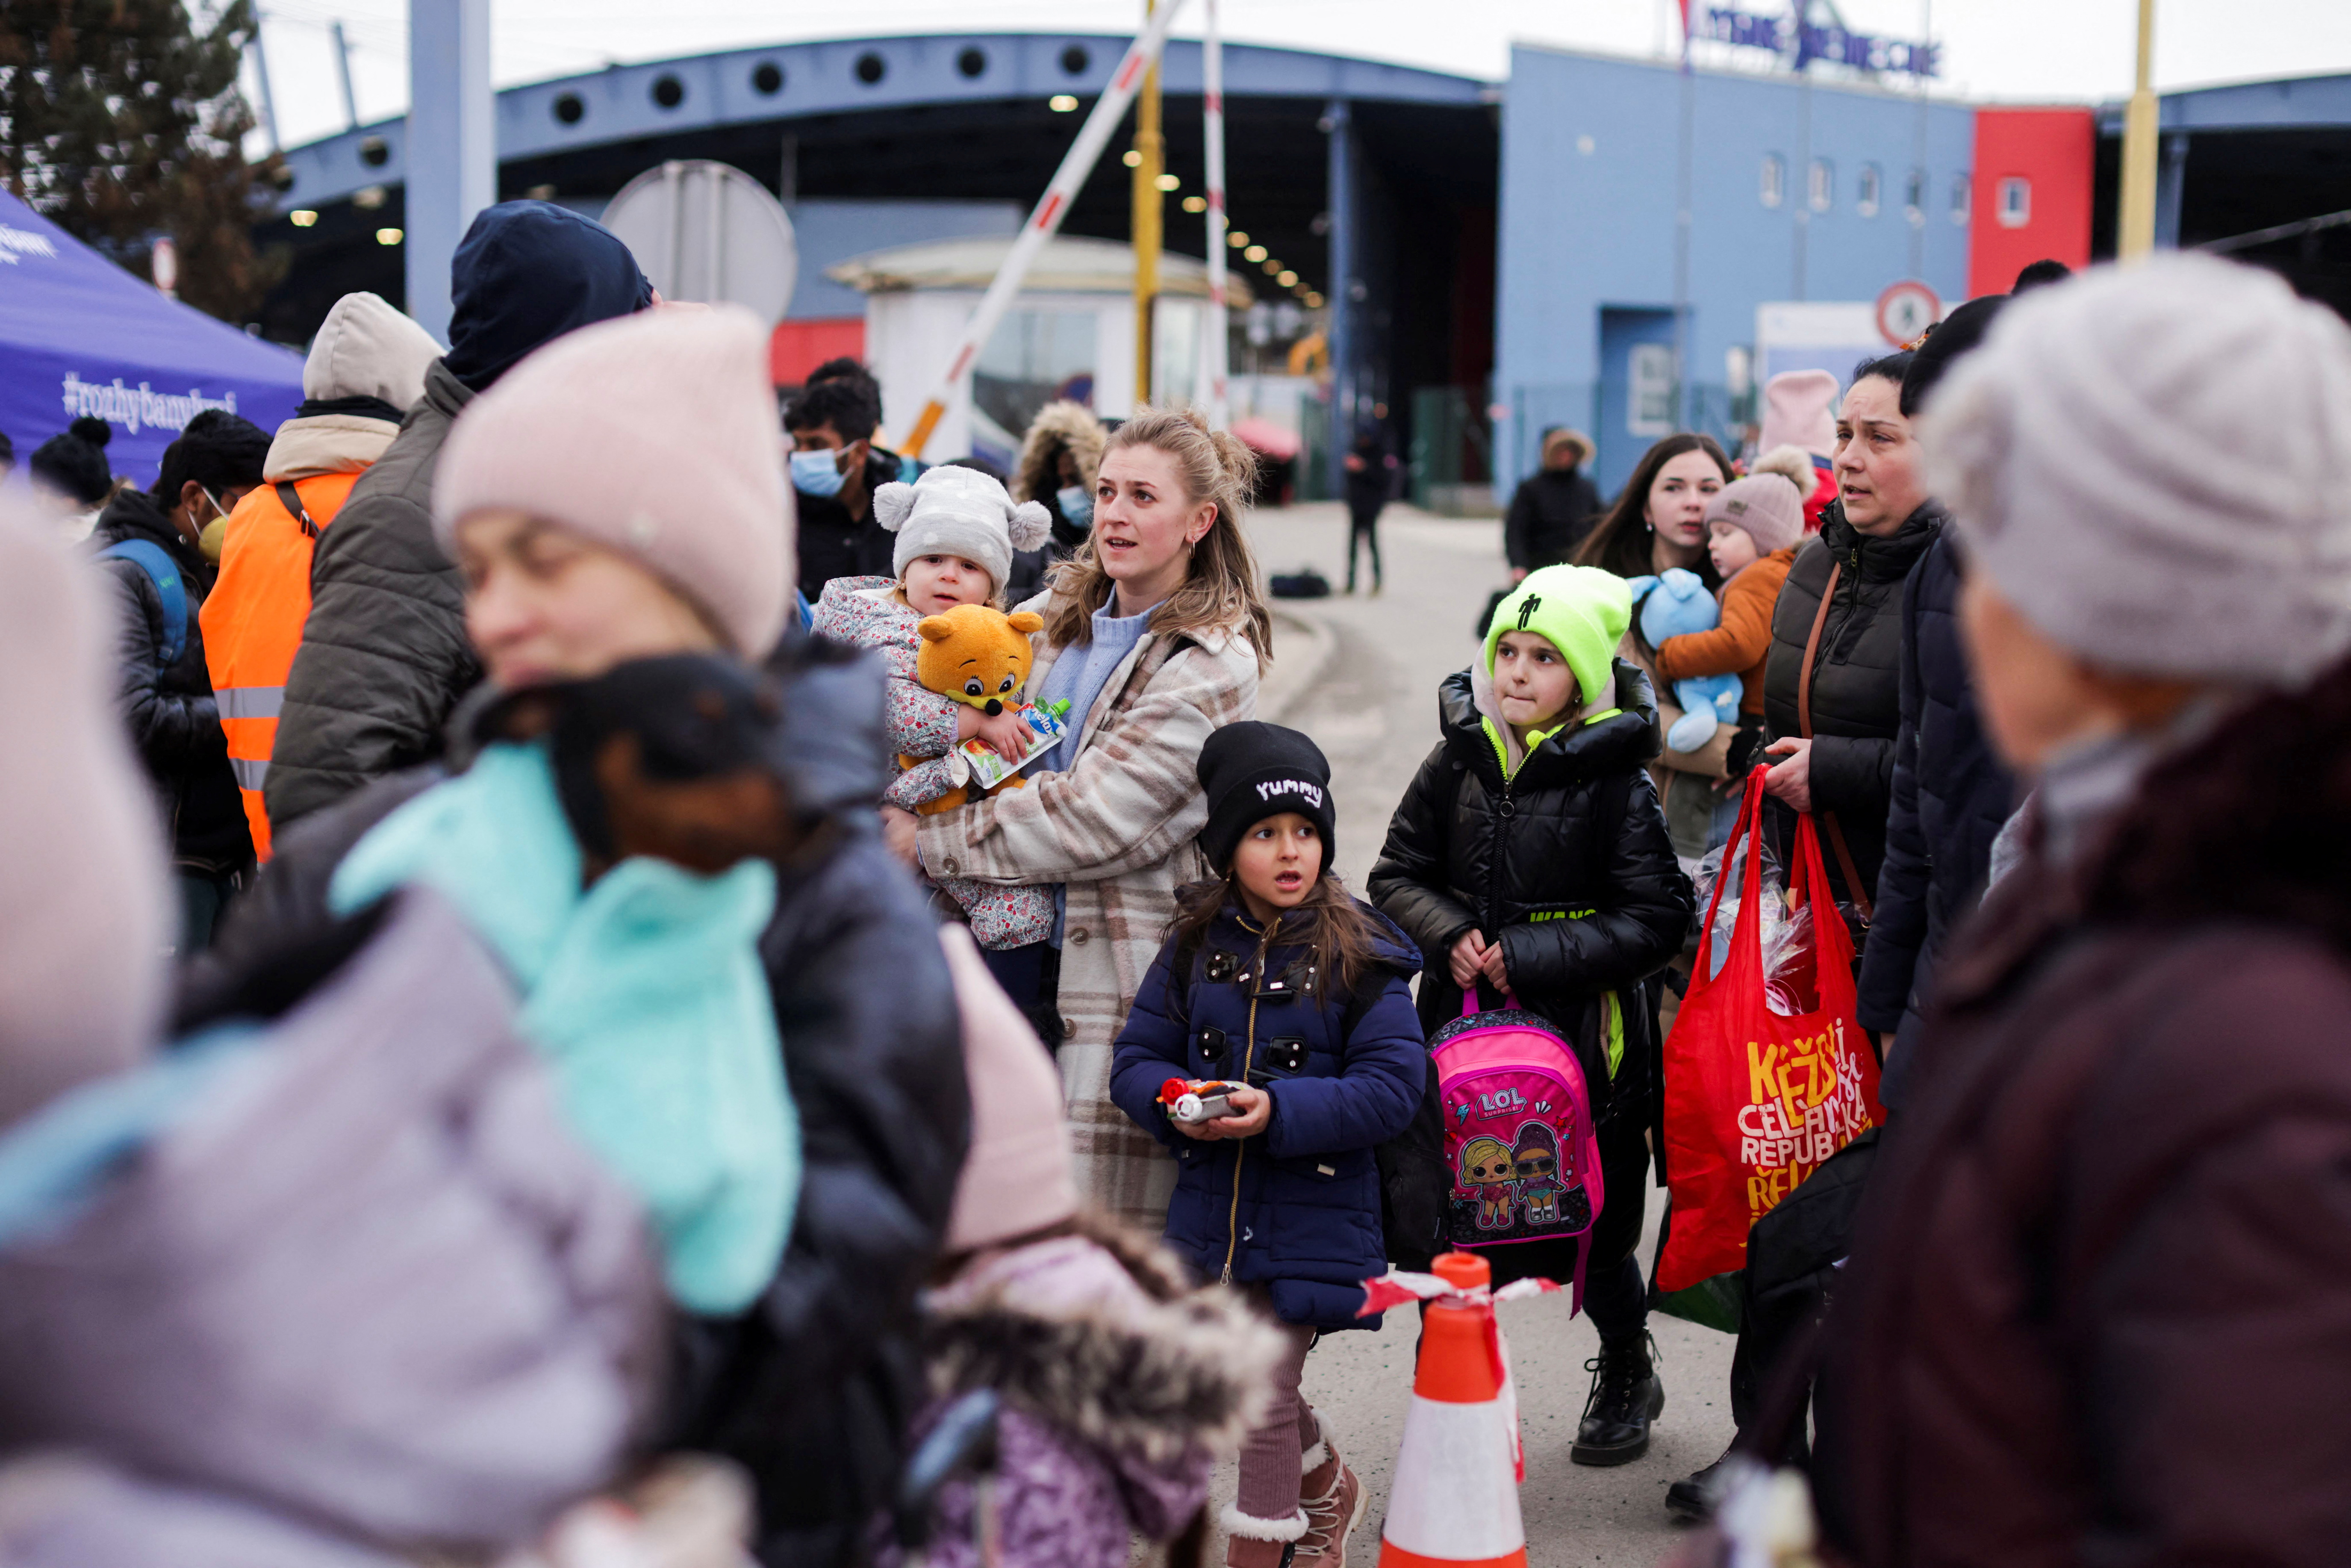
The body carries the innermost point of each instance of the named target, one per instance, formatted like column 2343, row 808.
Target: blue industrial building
column 1798, row 191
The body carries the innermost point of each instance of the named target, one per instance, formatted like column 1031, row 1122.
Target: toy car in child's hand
column 1196, row 1100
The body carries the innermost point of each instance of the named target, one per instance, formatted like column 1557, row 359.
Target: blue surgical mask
column 1077, row 504
column 816, row 473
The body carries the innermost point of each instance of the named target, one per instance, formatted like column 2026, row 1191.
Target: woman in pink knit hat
column 664, row 832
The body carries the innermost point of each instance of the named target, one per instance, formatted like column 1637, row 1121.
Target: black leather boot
column 1692, row 1499
column 1626, row 1395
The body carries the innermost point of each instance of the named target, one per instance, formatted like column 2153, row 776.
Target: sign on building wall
column 1800, row 43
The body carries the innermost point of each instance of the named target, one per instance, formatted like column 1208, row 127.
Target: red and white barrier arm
column 1218, row 333
column 1046, row 220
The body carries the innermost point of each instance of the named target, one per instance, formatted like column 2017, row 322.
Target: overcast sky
column 2071, row 50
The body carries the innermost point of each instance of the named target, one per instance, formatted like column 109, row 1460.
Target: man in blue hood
column 385, row 656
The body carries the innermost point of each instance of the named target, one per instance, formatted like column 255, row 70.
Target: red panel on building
column 799, row 347
column 2033, row 179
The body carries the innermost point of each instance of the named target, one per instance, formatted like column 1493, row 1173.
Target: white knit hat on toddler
column 959, row 512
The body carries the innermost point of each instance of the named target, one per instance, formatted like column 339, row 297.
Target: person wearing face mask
column 147, row 541
column 835, row 469
column 1060, row 457
column 1832, row 686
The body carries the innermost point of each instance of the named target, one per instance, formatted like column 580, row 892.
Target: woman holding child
column 1155, row 634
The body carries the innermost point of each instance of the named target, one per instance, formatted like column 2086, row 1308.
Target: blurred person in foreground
column 2096, row 1309
column 147, row 541
column 626, row 563
column 329, row 1285
column 365, row 367
column 383, row 656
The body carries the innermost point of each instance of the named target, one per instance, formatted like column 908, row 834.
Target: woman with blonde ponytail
column 1156, row 633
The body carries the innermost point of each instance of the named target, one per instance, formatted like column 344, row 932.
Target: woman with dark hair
column 1659, row 517
column 1659, row 523
column 1832, row 685
column 69, row 469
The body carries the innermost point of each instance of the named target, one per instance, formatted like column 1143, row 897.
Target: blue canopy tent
column 78, row 335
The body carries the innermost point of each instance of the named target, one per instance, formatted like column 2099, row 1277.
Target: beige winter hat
column 654, row 435
column 367, row 349
column 84, row 907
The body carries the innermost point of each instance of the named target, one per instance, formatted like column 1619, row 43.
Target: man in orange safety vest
column 366, row 367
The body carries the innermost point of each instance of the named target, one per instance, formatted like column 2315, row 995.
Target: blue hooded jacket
column 1297, row 1207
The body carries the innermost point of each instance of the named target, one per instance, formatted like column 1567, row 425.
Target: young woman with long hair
column 1659, row 517
column 1155, row 634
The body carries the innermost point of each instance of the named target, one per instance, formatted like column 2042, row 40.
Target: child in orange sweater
column 1753, row 526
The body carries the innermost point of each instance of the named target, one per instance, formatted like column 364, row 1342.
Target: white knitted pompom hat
column 960, row 512
column 2154, row 466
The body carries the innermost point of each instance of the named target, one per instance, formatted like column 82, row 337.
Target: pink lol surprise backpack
column 1519, row 1135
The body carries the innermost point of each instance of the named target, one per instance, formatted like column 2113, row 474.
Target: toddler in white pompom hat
column 956, row 531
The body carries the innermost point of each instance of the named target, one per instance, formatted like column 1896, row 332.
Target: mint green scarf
column 646, row 994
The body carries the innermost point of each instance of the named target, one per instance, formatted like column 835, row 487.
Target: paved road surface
column 1373, row 711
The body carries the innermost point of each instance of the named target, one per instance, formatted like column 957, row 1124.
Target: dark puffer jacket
column 1297, row 1207
column 385, row 656
column 1951, row 794
column 811, row 1391
column 173, row 720
column 831, row 543
column 1566, row 863
column 2097, row 1308
column 1551, row 512
column 1856, row 678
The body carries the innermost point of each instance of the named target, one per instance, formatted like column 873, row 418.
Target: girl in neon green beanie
column 1529, row 858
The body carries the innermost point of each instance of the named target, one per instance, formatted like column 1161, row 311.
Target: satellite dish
column 707, row 231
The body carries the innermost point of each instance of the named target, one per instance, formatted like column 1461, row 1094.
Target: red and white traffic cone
column 1454, row 1500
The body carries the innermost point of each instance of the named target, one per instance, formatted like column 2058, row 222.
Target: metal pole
column 453, row 170
column 1151, row 156
column 1044, row 222
column 1918, row 155
column 1344, row 320
column 1219, row 343
column 2135, row 233
column 343, row 77
column 261, row 75
column 1685, row 178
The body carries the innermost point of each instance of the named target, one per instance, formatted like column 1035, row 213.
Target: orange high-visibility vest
column 253, row 620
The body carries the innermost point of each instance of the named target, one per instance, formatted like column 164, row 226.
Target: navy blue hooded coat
column 1297, row 1207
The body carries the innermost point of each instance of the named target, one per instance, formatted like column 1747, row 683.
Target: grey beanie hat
column 961, row 512
column 2154, row 465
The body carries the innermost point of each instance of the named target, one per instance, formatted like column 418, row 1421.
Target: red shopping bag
column 1755, row 1100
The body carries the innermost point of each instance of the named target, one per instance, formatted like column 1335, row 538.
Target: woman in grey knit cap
column 2109, row 1239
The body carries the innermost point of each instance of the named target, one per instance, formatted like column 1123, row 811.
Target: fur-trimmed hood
column 1058, row 424
column 1099, row 1334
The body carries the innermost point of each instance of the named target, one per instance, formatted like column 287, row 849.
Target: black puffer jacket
column 1951, row 794
column 385, row 656
column 173, row 720
column 1551, row 512
column 1566, row 863
column 812, row 1390
column 1856, row 684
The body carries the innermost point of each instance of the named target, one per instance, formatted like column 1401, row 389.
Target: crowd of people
column 525, row 1039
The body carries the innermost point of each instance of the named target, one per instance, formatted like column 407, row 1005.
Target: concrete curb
column 1304, row 647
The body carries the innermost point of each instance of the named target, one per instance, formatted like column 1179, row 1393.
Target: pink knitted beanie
column 1016, row 1178
column 654, row 435
column 1799, row 410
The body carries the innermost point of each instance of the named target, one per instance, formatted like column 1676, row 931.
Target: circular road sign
column 1906, row 310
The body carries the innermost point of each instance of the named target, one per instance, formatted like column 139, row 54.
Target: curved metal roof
column 790, row 81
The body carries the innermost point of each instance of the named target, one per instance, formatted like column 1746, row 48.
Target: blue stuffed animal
column 1674, row 604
